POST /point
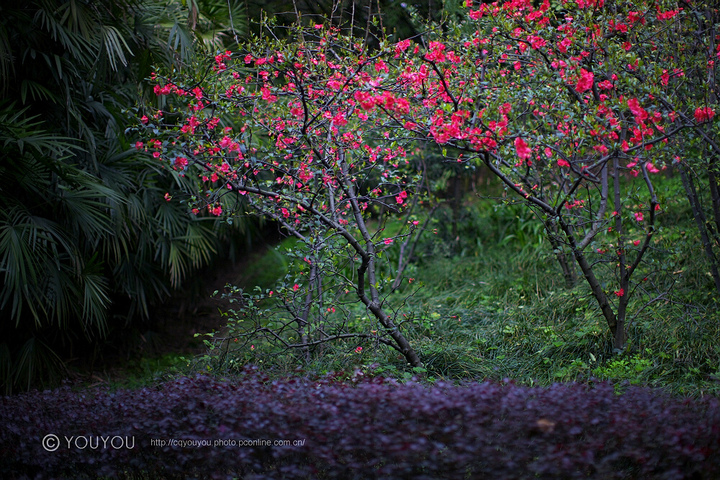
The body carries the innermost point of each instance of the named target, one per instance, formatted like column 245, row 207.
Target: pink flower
column 665, row 78
column 562, row 163
column 358, row 350
column 138, row 145
column 704, row 114
column 388, row 241
column 296, row 287
column 536, row 42
column 586, row 81
column 667, row 15
column 402, row 46
column 522, row 149
column 144, row 119
column 620, row 292
column 639, row 216
column 639, row 112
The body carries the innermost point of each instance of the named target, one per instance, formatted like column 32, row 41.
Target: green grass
column 146, row 371
column 495, row 306
column 264, row 268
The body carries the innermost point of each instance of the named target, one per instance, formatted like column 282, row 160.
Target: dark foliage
column 362, row 428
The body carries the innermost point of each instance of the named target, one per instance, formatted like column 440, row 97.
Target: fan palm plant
column 87, row 241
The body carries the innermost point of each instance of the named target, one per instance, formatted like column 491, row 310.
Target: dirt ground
column 197, row 310
column 173, row 326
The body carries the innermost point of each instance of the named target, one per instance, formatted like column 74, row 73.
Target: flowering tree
column 569, row 109
column 291, row 131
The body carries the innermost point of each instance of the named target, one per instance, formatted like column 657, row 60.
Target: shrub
column 363, row 427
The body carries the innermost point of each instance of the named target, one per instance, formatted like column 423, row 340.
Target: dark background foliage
column 88, row 244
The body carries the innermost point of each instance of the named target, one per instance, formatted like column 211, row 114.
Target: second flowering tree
column 292, row 131
column 568, row 108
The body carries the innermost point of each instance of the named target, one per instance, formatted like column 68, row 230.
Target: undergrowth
column 493, row 305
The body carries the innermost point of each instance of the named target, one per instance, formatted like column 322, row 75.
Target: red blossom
column 704, row 114
column 402, row 46
column 668, row 14
column 640, row 114
column 522, row 149
column 181, row 162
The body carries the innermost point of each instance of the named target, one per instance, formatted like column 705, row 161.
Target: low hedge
column 253, row 428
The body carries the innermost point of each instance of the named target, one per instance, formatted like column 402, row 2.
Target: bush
column 363, row 427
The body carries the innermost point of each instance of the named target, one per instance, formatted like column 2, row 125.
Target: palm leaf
column 36, row 91
column 36, row 363
column 115, row 46
column 96, row 299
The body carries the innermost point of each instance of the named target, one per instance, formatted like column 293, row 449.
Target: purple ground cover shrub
column 204, row 427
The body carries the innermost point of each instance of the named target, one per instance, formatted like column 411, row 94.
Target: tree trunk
column 567, row 269
column 617, row 331
column 714, row 198
column 700, row 220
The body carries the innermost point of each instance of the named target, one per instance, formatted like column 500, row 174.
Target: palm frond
column 22, row 131
column 115, row 46
column 36, row 91
column 7, row 65
column 36, row 363
column 96, row 298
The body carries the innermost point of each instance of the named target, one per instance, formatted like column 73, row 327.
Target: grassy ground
column 493, row 305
